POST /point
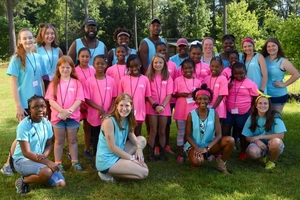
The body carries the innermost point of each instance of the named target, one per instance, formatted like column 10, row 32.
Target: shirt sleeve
column 279, row 126
column 14, row 67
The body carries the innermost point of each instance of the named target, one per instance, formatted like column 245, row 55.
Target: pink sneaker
column 168, row 149
column 180, row 159
column 156, row 151
column 242, row 156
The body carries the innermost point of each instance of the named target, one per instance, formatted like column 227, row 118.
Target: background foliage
column 259, row 19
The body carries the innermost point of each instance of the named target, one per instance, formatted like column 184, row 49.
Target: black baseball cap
column 89, row 21
column 155, row 20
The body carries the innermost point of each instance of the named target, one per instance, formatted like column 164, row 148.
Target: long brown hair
column 57, row 75
column 280, row 52
column 270, row 115
column 41, row 34
column 114, row 113
column 151, row 71
column 20, row 51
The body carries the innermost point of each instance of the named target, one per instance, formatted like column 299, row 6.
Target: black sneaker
column 22, row 187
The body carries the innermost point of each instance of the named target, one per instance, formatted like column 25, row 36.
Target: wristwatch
column 208, row 148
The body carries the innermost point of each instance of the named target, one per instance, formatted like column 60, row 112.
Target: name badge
column 35, row 83
column 235, row 111
column 190, row 100
column 51, row 77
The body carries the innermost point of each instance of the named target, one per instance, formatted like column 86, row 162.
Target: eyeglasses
column 36, row 108
column 202, row 128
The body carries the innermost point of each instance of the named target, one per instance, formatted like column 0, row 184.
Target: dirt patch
column 3, row 65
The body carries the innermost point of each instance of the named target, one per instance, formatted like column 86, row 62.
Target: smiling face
column 49, row 36
column 202, row 100
column 38, row 109
column 123, row 40
column 182, row 50
column 162, row 49
column 272, row 48
column 233, row 58
column 65, row 70
column 215, row 68
column 99, row 65
column 120, row 53
column 195, row 54
column 134, row 67
column 158, row 64
column 90, row 31
column 188, row 70
column 208, row 46
column 26, row 39
column 248, row 48
column 239, row 74
column 262, row 105
column 84, row 58
column 228, row 45
column 124, row 108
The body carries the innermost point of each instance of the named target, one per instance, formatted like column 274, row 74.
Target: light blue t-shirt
column 202, row 140
column 151, row 49
column 226, row 63
column 100, row 49
column 36, row 134
column 115, row 60
column 29, row 78
column 177, row 60
column 275, row 74
column 105, row 158
column 277, row 127
column 254, row 70
column 50, row 58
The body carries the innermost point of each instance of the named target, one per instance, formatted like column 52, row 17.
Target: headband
column 205, row 92
column 248, row 39
column 261, row 95
column 123, row 33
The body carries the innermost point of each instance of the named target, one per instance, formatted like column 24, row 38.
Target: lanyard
column 34, row 68
column 63, row 101
column 132, row 94
column 39, row 139
column 214, row 83
column 159, row 93
column 84, row 74
column 236, row 92
column 102, row 100
column 247, row 66
column 187, row 85
column 50, row 60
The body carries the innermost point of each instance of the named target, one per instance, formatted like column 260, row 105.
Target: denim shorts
column 266, row 152
column 28, row 167
column 236, row 119
column 278, row 101
column 68, row 124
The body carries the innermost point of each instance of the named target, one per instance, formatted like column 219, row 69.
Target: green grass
column 166, row 180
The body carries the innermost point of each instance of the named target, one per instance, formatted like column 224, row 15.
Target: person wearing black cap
column 147, row 46
column 89, row 41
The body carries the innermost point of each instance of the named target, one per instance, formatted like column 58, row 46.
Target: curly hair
column 119, row 30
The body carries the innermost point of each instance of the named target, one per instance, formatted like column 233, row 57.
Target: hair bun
column 204, row 86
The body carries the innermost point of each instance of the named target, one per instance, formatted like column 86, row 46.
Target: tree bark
column 11, row 27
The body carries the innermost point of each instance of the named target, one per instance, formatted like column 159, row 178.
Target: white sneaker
column 106, row 177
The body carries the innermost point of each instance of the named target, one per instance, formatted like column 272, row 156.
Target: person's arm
column 63, row 112
column 143, row 54
column 105, row 51
column 264, row 72
column 218, row 101
column 180, row 94
column 14, row 88
column 160, row 108
column 218, row 132
column 96, row 106
column 288, row 66
column 139, row 151
column 75, row 105
column 72, row 51
column 108, row 129
column 110, row 58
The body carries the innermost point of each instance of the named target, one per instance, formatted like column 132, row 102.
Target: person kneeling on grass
column 119, row 151
column 264, row 129
column 34, row 144
column 203, row 132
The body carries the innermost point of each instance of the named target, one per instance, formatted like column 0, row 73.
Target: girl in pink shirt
column 238, row 104
column 157, row 106
column 183, row 88
column 65, row 94
column 100, row 92
column 233, row 57
column 117, row 71
column 219, row 85
column 84, row 71
column 202, row 69
column 138, row 87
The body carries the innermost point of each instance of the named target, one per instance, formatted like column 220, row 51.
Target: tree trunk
column 11, row 27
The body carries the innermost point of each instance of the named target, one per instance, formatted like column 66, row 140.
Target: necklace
column 133, row 93
column 193, row 88
column 102, row 100
column 201, row 123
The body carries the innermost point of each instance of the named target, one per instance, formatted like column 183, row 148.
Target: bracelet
column 132, row 158
column 162, row 105
column 261, row 90
column 154, row 106
column 208, row 148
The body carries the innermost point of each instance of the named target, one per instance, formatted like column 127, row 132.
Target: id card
column 235, row 111
column 51, row 77
column 134, row 112
column 190, row 100
column 35, row 83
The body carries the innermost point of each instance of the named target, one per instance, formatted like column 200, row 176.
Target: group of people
column 114, row 92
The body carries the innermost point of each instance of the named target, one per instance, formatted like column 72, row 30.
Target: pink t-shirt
column 240, row 96
column 138, row 88
column 172, row 68
column 83, row 75
column 159, row 90
column 67, row 93
column 117, row 72
column 101, row 92
column 227, row 73
column 202, row 70
column 219, row 86
column 184, row 105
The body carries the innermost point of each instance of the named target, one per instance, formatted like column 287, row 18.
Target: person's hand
column 159, row 109
column 261, row 145
column 142, row 164
column 40, row 157
column 64, row 114
column 101, row 113
column 53, row 166
column 278, row 84
column 199, row 151
column 139, row 155
column 20, row 115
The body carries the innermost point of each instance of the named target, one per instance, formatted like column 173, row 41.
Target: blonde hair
column 114, row 113
column 20, row 51
column 57, row 75
column 151, row 71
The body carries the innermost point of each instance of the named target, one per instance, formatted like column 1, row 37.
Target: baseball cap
column 155, row 20
column 89, row 21
column 182, row 41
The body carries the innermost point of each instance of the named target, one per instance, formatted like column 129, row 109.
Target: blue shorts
column 67, row 124
column 267, row 152
column 278, row 101
column 28, row 167
column 236, row 119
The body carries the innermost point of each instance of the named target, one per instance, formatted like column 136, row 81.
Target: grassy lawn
column 166, row 180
